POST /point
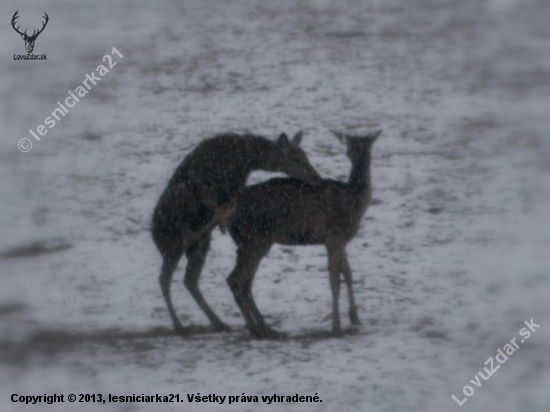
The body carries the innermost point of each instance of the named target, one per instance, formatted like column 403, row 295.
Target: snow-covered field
column 451, row 258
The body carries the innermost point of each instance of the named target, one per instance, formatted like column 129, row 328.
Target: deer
column 29, row 40
column 294, row 212
column 199, row 196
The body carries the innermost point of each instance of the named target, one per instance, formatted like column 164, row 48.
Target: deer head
column 358, row 146
column 292, row 160
column 29, row 40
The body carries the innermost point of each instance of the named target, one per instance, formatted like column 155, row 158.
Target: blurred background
column 451, row 258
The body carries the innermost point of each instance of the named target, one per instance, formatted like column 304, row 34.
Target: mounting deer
column 29, row 40
column 292, row 212
column 198, row 197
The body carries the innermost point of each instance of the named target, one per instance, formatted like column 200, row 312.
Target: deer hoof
column 180, row 330
column 354, row 319
column 222, row 327
column 267, row 333
column 337, row 333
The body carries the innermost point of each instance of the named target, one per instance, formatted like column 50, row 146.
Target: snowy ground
column 452, row 256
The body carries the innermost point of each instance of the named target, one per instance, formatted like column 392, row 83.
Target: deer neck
column 359, row 180
column 262, row 154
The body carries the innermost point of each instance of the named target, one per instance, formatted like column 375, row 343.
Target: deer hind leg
column 346, row 270
column 334, row 268
column 170, row 262
column 240, row 281
column 172, row 236
column 196, row 255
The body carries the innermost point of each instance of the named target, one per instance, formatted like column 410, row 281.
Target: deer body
column 291, row 212
column 197, row 198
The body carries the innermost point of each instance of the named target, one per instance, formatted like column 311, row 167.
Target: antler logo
column 29, row 40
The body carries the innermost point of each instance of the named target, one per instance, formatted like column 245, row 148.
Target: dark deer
column 199, row 196
column 29, row 40
column 291, row 212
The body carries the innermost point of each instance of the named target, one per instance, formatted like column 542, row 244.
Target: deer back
column 289, row 211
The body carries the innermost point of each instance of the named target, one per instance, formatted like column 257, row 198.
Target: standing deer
column 291, row 212
column 198, row 197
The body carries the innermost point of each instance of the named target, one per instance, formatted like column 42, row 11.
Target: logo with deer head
column 29, row 40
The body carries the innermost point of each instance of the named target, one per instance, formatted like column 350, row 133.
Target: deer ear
column 376, row 134
column 283, row 140
column 339, row 136
column 23, row 36
column 297, row 139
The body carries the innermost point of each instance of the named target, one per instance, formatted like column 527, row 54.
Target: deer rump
column 292, row 212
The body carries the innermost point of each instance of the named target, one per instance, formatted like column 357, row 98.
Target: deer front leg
column 240, row 281
column 346, row 270
column 334, row 267
column 261, row 329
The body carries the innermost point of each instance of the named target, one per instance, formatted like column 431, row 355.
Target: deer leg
column 240, row 281
column 236, row 283
column 261, row 329
column 196, row 255
column 172, row 237
column 346, row 270
column 168, row 267
column 334, row 267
